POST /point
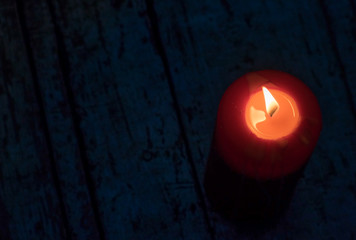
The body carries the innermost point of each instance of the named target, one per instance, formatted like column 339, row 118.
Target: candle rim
column 235, row 98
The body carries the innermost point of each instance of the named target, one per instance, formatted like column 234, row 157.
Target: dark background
column 107, row 110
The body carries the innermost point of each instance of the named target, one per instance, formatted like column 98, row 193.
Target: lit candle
column 267, row 126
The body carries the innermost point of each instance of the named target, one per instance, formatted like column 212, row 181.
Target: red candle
column 267, row 125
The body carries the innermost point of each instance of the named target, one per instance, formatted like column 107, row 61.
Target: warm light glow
column 257, row 116
column 271, row 114
column 271, row 104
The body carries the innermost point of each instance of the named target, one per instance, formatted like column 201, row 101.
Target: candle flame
column 271, row 104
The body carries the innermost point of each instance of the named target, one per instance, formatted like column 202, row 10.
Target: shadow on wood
column 254, row 205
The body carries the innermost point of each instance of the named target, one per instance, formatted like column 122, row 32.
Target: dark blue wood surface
column 108, row 109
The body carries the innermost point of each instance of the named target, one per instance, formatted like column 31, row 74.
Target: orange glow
column 271, row 114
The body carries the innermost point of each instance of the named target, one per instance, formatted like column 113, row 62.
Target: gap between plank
column 158, row 44
column 30, row 57
column 65, row 69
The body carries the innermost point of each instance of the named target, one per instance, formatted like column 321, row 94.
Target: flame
column 271, row 104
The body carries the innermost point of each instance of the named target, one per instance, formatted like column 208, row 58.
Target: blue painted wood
column 108, row 111
column 341, row 20
column 210, row 44
column 40, row 30
column 30, row 206
column 124, row 122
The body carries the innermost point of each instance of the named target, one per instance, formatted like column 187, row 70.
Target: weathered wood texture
column 109, row 91
column 341, row 23
column 108, row 109
column 38, row 30
column 30, row 205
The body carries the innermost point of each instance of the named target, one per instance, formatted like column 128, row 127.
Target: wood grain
column 341, row 21
column 124, row 122
column 29, row 198
column 108, row 109
column 210, row 44
column 40, row 32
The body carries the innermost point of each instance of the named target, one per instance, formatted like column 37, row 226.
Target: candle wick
column 273, row 110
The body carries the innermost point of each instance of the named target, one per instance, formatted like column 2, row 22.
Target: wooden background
column 108, row 109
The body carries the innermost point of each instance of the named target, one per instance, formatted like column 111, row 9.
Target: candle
column 267, row 126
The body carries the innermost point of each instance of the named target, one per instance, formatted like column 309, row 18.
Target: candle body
column 250, row 165
column 245, row 199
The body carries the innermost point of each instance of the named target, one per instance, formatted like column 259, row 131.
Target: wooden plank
column 208, row 45
column 30, row 207
column 341, row 21
column 125, row 121
column 39, row 34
